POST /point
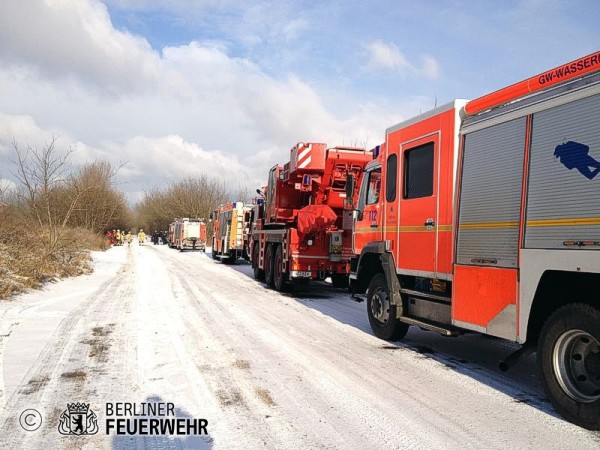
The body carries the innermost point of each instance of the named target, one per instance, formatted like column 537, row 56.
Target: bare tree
column 100, row 205
column 190, row 197
column 44, row 176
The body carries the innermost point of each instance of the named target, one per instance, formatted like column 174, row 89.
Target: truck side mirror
column 359, row 215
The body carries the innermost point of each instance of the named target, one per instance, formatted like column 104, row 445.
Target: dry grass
column 25, row 262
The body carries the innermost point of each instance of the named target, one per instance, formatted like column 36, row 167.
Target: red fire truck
column 484, row 216
column 231, row 229
column 187, row 234
column 298, row 232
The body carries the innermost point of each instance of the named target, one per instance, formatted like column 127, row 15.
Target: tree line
column 58, row 212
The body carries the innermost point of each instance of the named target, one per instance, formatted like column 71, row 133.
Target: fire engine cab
column 484, row 216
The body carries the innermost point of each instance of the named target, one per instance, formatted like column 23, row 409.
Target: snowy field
column 265, row 370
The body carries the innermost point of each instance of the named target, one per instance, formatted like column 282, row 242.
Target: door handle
column 373, row 225
column 429, row 223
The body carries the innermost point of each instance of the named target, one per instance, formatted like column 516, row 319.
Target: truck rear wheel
column 231, row 259
column 213, row 251
column 280, row 277
column 382, row 314
column 269, row 265
column 339, row 281
column 569, row 363
column 259, row 274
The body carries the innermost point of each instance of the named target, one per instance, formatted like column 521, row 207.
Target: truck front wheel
column 382, row 314
column 569, row 363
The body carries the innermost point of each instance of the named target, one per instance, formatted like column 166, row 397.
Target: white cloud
column 66, row 71
column 430, row 67
column 387, row 55
column 70, row 39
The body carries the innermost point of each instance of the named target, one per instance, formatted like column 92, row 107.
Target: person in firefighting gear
column 129, row 238
column 141, row 236
column 119, row 238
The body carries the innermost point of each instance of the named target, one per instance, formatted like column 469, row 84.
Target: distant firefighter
column 141, row 236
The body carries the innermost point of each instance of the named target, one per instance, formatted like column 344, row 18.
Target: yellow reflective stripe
column 573, row 222
column 366, row 230
column 402, row 229
column 468, row 226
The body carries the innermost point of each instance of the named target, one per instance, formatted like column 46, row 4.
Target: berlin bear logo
column 574, row 155
column 78, row 420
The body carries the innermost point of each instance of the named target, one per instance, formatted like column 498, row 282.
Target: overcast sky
column 177, row 88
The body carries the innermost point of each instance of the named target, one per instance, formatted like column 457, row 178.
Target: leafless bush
column 57, row 215
column 99, row 205
column 190, row 197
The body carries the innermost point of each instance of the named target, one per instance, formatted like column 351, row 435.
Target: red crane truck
column 298, row 232
column 484, row 216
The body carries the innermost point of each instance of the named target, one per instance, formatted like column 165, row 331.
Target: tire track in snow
column 318, row 398
column 236, row 394
column 73, row 367
column 399, row 398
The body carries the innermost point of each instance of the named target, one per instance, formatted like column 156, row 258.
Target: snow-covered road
column 266, row 370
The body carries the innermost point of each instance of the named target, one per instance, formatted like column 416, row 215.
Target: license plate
column 301, row 274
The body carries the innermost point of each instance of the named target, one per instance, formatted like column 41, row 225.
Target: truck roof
column 457, row 103
column 553, row 77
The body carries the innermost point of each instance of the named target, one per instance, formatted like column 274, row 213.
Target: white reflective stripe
column 305, row 163
column 305, row 152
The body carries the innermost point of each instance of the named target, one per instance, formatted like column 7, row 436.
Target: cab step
column 445, row 331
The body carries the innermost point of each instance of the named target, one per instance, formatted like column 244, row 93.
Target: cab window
column 373, row 187
column 418, row 172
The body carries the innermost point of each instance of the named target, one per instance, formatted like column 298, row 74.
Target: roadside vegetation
column 54, row 216
column 58, row 212
column 194, row 198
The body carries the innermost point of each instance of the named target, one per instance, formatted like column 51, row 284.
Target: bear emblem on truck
column 574, row 155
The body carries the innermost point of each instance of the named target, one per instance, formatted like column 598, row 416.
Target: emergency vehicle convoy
column 187, row 234
column 298, row 231
column 231, row 232
column 484, row 216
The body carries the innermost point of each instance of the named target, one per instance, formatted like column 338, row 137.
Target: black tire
column 301, row 282
column 340, row 281
column 382, row 315
column 259, row 274
column 269, row 279
column 569, row 363
column 280, row 277
column 213, row 252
